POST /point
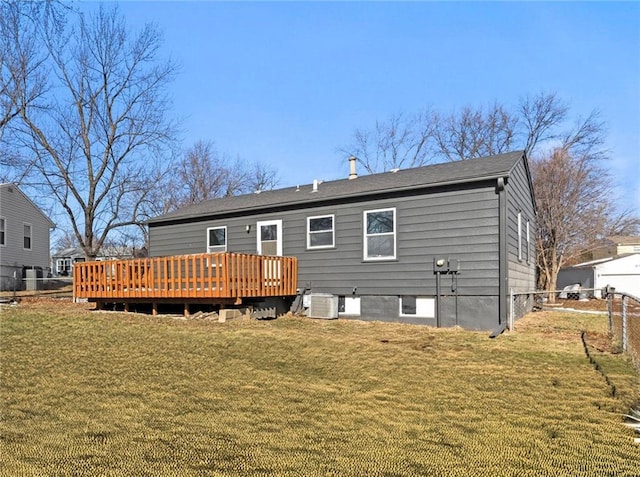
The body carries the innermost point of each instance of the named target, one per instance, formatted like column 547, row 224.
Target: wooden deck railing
column 207, row 275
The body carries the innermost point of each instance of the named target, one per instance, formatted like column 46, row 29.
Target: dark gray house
column 440, row 245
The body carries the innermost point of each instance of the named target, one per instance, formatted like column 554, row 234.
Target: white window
column 3, row 229
column 320, row 231
column 216, row 239
column 380, row 234
column 519, row 236
column 528, row 244
column 26, row 244
column 63, row 266
column 419, row 307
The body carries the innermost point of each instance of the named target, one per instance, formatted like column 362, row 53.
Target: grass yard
column 95, row 393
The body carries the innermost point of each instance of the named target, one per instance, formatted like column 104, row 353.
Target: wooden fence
column 207, row 275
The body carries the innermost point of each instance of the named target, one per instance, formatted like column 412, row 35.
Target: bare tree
column 572, row 186
column 206, row 173
column 400, row 142
column 97, row 130
column 262, row 177
column 410, row 140
column 475, row 133
column 575, row 207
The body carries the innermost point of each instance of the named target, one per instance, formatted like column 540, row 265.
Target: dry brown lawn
column 103, row 393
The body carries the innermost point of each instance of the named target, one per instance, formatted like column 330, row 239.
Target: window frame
column 520, row 236
column 64, row 268
column 365, row 236
column 24, row 236
column 279, row 236
column 528, row 242
column 332, row 230
column 3, row 231
column 226, row 241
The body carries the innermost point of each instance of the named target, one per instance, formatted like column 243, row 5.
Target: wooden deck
column 200, row 278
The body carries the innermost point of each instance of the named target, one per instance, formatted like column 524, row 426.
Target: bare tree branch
column 402, row 141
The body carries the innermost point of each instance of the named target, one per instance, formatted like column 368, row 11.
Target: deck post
column 186, row 310
column 154, row 308
column 126, row 307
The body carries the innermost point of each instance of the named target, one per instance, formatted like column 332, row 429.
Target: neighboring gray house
column 62, row 261
column 24, row 237
column 395, row 246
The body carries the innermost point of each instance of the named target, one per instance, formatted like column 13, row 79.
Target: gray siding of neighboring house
column 460, row 223
column 584, row 276
column 17, row 210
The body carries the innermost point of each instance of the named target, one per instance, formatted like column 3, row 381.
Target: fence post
column 625, row 337
column 610, row 311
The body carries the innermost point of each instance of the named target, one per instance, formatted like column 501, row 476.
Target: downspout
column 503, row 282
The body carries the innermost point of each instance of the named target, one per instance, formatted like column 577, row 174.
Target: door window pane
column 269, row 232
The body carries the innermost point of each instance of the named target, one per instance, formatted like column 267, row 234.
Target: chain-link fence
column 622, row 310
column 580, row 298
column 624, row 323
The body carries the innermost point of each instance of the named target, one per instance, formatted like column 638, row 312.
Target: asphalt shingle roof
column 458, row 172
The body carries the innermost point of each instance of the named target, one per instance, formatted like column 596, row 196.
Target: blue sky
column 287, row 83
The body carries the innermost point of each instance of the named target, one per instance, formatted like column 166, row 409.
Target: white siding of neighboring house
column 622, row 273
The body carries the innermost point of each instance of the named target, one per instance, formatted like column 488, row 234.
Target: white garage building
column 622, row 273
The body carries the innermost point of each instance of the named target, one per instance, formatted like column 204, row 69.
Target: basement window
column 349, row 305
column 418, row 307
column 320, row 231
column 216, row 239
column 380, row 234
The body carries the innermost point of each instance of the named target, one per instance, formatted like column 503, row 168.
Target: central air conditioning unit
column 323, row 305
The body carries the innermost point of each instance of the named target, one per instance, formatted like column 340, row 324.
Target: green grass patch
column 90, row 393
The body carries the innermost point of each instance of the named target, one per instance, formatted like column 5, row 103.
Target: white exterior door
column 269, row 237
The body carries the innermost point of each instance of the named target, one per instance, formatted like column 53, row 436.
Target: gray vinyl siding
column 18, row 210
column 521, row 270
column 465, row 211
column 460, row 224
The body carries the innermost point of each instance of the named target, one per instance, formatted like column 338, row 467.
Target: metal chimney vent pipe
column 352, row 168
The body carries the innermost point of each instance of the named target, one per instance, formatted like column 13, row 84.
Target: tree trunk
column 551, row 286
